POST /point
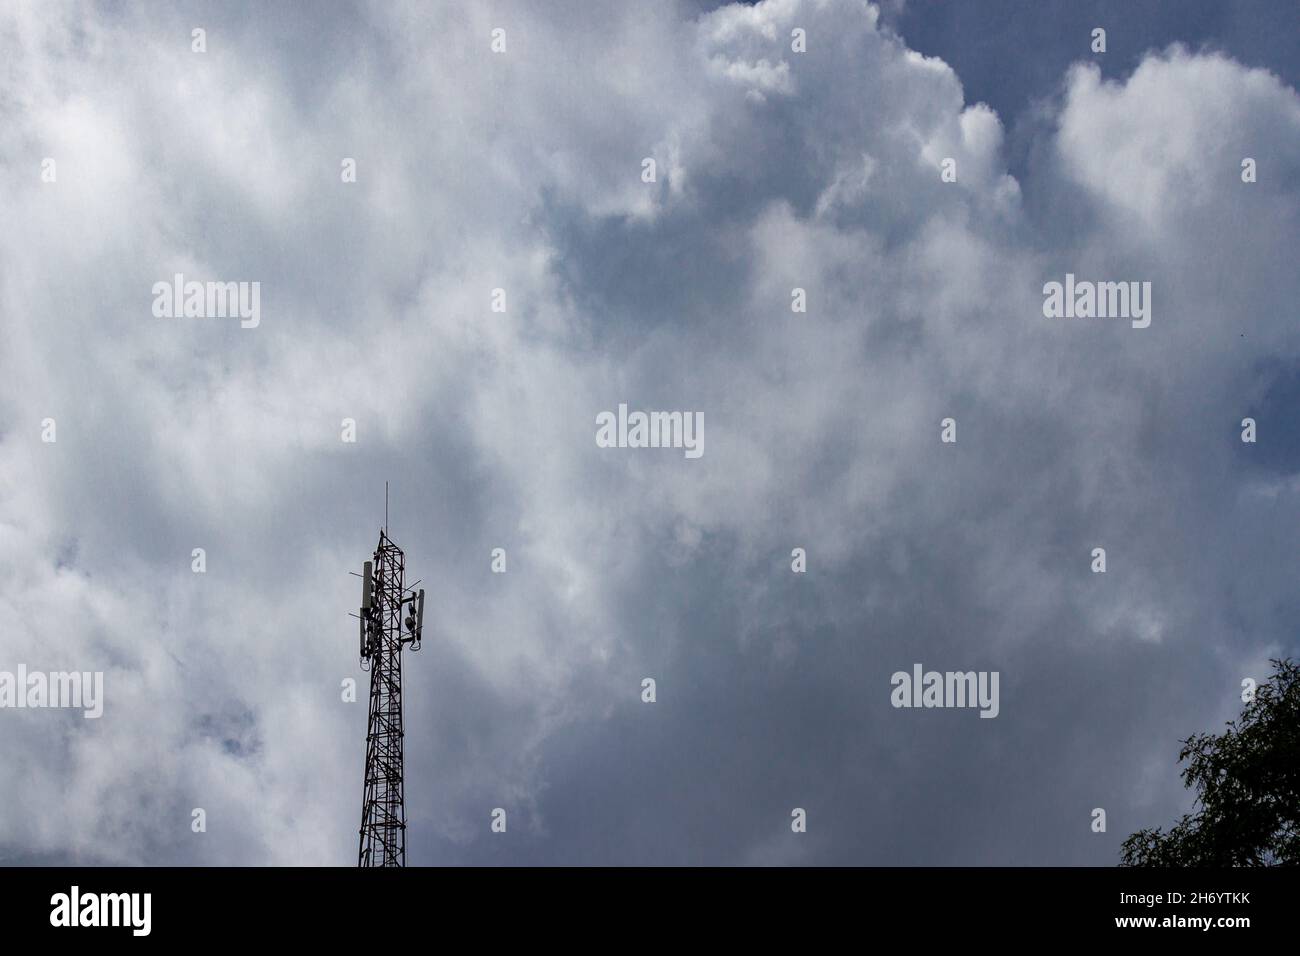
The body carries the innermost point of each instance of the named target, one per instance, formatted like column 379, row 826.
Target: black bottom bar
column 672, row 906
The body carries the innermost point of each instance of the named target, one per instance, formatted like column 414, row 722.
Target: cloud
column 522, row 171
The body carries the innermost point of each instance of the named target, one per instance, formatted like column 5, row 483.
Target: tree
column 1247, row 782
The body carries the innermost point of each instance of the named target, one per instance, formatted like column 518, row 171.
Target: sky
column 523, row 171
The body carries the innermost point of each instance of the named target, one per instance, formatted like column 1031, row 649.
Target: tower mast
column 384, row 598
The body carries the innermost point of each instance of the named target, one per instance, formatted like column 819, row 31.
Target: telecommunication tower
column 391, row 616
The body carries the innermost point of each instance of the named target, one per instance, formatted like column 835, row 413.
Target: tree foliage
column 1247, row 782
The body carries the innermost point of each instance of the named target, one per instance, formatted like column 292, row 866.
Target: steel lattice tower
column 384, row 597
